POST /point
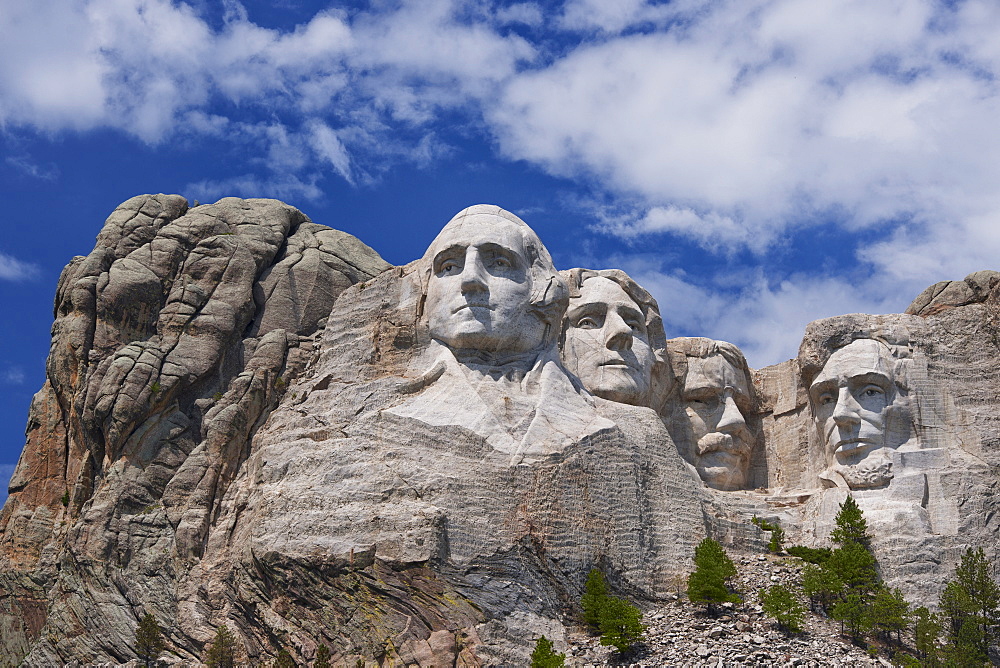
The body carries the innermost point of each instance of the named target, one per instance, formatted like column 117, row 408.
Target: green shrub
column 813, row 555
column 545, row 656
column 617, row 620
column 713, row 568
column 781, row 605
column 322, row 657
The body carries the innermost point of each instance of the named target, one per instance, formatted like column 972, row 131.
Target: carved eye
column 450, row 268
column 588, row 322
column 827, row 398
column 500, row 262
column 873, row 391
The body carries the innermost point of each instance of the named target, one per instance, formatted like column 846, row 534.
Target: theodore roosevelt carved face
column 855, row 399
column 491, row 284
column 715, row 398
column 607, row 341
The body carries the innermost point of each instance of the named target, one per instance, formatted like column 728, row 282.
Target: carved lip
column 615, row 362
column 852, row 444
column 472, row 306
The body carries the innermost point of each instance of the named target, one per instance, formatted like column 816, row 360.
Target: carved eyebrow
column 871, row 377
column 586, row 308
column 497, row 249
column 453, row 251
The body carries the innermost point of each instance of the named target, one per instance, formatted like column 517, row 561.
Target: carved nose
column 617, row 331
column 845, row 413
column 732, row 419
column 473, row 275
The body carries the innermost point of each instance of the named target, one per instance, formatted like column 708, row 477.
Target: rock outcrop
column 250, row 419
column 172, row 342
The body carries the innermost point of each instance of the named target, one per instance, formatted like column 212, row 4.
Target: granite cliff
column 251, row 419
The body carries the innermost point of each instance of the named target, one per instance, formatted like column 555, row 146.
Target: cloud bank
column 735, row 126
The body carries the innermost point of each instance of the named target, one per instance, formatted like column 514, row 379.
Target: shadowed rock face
column 252, row 419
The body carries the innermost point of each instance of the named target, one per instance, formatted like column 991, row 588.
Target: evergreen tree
column 822, row 586
column 621, row 624
column 284, row 660
column 971, row 607
column 148, row 640
column 853, row 613
column 713, row 567
column 617, row 620
column 926, row 631
column 854, row 566
column 545, row 656
column 780, row 604
column 851, row 525
column 322, row 657
column 890, row 613
column 222, row 652
column 592, row 601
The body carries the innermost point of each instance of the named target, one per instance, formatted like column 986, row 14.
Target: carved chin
column 722, row 470
column 875, row 471
column 617, row 384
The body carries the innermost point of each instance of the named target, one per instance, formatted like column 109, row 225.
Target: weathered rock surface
column 172, row 341
column 973, row 289
column 248, row 420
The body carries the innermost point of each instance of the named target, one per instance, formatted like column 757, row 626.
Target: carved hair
column 549, row 294
column 699, row 346
column 650, row 310
column 815, row 352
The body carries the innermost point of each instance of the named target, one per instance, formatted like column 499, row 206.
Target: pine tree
column 621, row 624
column 851, row 525
column 822, row 586
column 890, row 613
column 926, row 631
column 713, row 567
column 148, row 640
column 545, row 656
column 617, row 620
column 780, row 604
column 595, row 592
column 971, row 606
column 853, row 613
column 854, row 565
column 222, row 653
column 322, row 657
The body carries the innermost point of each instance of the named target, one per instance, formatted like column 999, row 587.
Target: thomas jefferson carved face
column 715, row 396
column 480, row 286
column 607, row 346
column 853, row 401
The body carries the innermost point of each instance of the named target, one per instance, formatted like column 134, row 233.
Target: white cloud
column 527, row 13
column 284, row 187
column 12, row 269
column 29, row 167
column 745, row 121
column 765, row 316
column 328, row 147
column 12, row 376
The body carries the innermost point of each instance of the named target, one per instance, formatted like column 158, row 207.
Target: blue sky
column 756, row 164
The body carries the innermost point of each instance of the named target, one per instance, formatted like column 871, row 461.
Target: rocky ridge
column 246, row 422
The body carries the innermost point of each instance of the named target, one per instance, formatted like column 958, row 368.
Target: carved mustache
column 719, row 442
column 473, row 305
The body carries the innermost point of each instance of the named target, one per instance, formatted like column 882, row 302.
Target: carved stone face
column 606, row 345
column 715, row 395
column 852, row 398
column 480, row 286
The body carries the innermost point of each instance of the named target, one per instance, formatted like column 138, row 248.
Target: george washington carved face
column 491, row 285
